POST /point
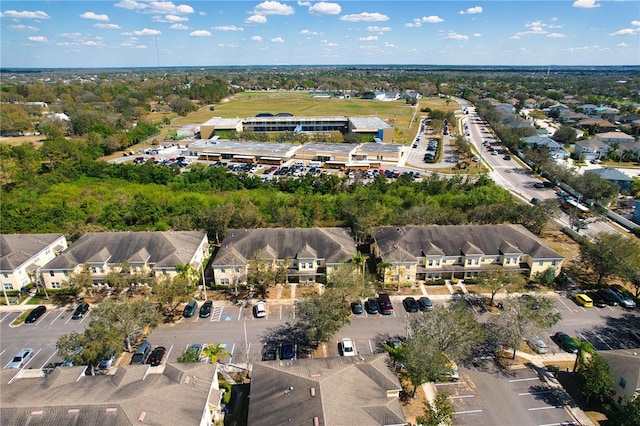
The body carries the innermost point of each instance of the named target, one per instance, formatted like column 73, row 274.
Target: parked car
column 347, row 347
column 260, row 309
column 623, row 299
column 566, row 342
column 141, row 354
column 410, row 304
column 21, row 358
column 372, row 305
column 394, row 343
column 80, row 311
column 608, row 297
column 538, row 345
column 356, row 307
column 270, row 351
column 35, row 313
column 108, row 360
column 156, row 356
column 196, row 348
column 386, row 307
column 287, row 351
column 424, row 303
column 190, row 309
column 448, row 374
column 598, row 300
column 205, row 309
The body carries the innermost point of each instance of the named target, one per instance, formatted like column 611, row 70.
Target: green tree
column 215, row 352
column 585, row 352
column 596, row 378
column 322, row 315
column 423, row 361
column 189, row 355
column 261, row 273
column 360, row 261
column 522, row 317
column 440, row 412
column 89, row 347
column 565, row 135
column 605, row 253
column 170, row 293
column 396, row 354
column 630, row 413
column 496, row 278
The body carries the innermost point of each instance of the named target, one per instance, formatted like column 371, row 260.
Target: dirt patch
column 437, row 290
column 412, row 407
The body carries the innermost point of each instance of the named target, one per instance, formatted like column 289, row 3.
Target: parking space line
column 543, row 408
column 534, row 393
column 54, row 320
column 467, row 412
column 240, row 313
column 462, row 396
column 565, row 305
column 48, row 359
column 281, row 311
column 370, row 346
column 602, row 340
column 166, row 358
column 524, row 380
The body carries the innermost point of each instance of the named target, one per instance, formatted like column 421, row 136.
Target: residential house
column 150, row 253
column 590, row 149
column 571, row 117
column 556, row 149
column 334, row 391
column 530, row 103
column 460, row 251
column 594, row 126
column 172, row 394
column 625, row 366
column 615, row 137
column 589, row 109
column 614, row 176
column 557, row 107
column 21, row 255
column 309, row 254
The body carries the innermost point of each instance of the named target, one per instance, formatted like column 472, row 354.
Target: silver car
column 538, row 345
column 21, row 358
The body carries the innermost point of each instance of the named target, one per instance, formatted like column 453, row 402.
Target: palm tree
column 382, row 269
column 360, row 260
column 585, row 349
column 215, row 352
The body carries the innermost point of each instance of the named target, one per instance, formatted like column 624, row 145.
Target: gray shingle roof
column 68, row 397
column 162, row 249
column 16, row 249
column 610, row 174
column 334, row 245
column 408, row 243
column 348, row 390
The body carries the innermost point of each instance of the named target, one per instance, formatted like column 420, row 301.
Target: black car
column 205, row 309
column 607, row 297
column 80, row 311
column 372, row 305
column 36, row 313
column 566, row 342
column 356, row 307
column 598, row 300
column 270, row 351
column 287, row 351
column 424, row 303
column 410, row 304
column 156, row 356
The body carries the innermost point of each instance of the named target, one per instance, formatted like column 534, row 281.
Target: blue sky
column 141, row 33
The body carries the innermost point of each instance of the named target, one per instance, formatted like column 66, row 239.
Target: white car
column 260, row 310
column 21, row 358
column 347, row 347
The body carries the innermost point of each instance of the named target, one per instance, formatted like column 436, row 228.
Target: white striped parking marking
column 523, row 380
column 467, row 412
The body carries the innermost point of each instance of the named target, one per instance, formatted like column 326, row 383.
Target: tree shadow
column 291, row 332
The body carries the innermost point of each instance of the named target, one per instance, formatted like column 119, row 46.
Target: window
column 55, row 285
column 508, row 259
column 554, row 263
column 623, row 382
column 498, row 259
column 319, row 263
column 222, row 271
column 468, row 261
column 541, row 263
column 5, row 275
column 459, row 260
column 476, row 261
column 8, row 286
column 224, row 281
column 65, row 273
column 437, row 262
column 310, row 265
column 430, row 262
column 52, row 274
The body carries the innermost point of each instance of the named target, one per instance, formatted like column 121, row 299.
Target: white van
column 298, row 164
column 315, row 164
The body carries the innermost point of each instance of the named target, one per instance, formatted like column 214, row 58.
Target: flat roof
column 245, row 147
column 368, row 123
column 222, row 122
column 381, row 147
column 328, row 147
column 312, row 118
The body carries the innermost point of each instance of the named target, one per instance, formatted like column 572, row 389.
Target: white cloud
column 95, row 17
column 107, row 26
column 308, row 32
column 169, row 18
column 471, row 11
column 635, row 23
column 179, row 27
column 452, row 35
column 377, row 29
column 626, row 31
column 25, row 14
column 23, row 28
column 256, row 19
column 228, row 28
column 556, row 35
column 417, row 22
column 277, row 40
column 477, row 35
column 368, row 38
column 304, row 3
column 389, row 45
column 147, row 32
column 200, row 33
column 365, row 17
column 256, row 38
column 39, row 39
column 623, row 44
column 324, row 8
column 586, row 4
column 273, row 8
column 156, row 7
column 131, row 5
